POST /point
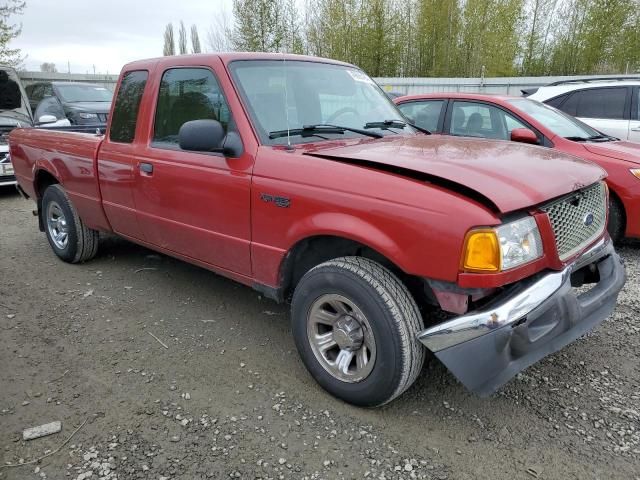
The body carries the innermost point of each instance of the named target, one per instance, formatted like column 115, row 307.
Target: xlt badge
column 282, row 202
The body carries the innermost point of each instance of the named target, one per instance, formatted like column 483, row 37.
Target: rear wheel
column 355, row 325
column 69, row 237
column 616, row 224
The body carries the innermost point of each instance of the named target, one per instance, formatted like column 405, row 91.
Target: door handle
column 146, row 168
column 635, row 129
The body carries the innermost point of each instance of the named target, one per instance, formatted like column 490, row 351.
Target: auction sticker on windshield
column 359, row 76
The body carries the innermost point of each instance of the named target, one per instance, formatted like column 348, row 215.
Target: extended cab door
column 116, row 156
column 196, row 204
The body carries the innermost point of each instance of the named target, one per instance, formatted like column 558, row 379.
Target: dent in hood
column 510, row 176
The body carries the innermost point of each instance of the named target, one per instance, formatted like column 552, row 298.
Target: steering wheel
column 341, row 112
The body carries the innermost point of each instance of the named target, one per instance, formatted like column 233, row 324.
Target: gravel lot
column 229, row 397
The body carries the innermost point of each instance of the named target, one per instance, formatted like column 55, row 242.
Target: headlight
column 502, row 248
column 636, row 172
column 87, row 116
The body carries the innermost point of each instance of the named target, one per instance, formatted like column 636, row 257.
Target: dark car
column 14, row 112
column 81, row 103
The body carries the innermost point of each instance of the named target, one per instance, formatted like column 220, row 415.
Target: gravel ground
column 229, row 397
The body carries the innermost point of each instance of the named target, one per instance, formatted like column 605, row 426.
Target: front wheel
column 355, row 325
column 69, row 237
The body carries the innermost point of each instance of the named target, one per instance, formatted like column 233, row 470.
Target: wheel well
column 313, row 251
column 43, row 180
column 614, row 196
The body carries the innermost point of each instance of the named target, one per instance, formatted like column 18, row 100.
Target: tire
column 60, row 217
column 616, row 225
column 386, row 314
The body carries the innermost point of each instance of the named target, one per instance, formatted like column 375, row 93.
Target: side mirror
column 201, row 136
column 524, row 135
column 47, row 119
column 208, row 136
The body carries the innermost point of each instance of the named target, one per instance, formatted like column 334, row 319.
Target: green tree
column 489, row 37
column 438, row 25
column 259, row 25
column 182, row 39
column 332, row 28
column 538, row 30
column 48, row 67
column 9, row 31
column 169, row 47
column 195, row 40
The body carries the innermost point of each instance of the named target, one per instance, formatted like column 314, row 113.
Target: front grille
column 103, row 117
column 578, row 219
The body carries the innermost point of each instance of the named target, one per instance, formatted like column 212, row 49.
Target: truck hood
column 507, row 175
column 628, row 151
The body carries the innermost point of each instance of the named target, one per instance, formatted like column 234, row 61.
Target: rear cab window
column 187, row 94
column 125, row 111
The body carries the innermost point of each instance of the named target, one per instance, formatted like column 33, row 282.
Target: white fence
column 406, row 86
column 28, row 78
column 502, row 85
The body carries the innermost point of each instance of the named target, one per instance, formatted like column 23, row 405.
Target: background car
column 81, row 103
column 524, row 120
column 609, row 105
column 14, row 112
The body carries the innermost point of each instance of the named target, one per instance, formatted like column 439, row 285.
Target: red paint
column 208, row 210
column 617, row 157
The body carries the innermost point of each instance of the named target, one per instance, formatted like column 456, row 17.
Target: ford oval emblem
column 588, row 219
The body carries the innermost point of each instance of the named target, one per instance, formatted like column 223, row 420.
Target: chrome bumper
column 484, row 349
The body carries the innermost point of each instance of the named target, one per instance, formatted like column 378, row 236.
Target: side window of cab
column 187, row 94
column 125, row 111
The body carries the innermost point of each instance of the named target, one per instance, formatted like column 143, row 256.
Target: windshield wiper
column 605, row 138
column 578, row 139
column 312, row 130
column 386, row 124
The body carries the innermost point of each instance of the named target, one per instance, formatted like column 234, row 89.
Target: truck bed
column 68, row 156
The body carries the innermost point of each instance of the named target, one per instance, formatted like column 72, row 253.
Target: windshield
column 556, row 121
column 74, row 92
column 11, row 97
column 315, row 94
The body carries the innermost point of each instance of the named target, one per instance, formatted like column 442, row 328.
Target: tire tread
column 402, row 306
column 87, row 239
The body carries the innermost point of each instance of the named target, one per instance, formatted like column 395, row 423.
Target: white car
column 610, row 105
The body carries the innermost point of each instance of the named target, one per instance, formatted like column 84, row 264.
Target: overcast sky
column 107, row 34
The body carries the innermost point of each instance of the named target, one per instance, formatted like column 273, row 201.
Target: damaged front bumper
column 485, row 349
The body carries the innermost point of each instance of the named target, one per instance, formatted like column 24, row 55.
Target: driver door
column 196, row 204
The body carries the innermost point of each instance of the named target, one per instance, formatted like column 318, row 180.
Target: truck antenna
column 286, row 100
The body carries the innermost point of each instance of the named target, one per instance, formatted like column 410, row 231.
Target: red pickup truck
column 298, row 176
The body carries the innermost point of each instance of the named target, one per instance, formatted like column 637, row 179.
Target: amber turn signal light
column 482, row 252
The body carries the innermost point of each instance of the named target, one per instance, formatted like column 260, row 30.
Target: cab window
column 187, row 94
column 125, row 112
